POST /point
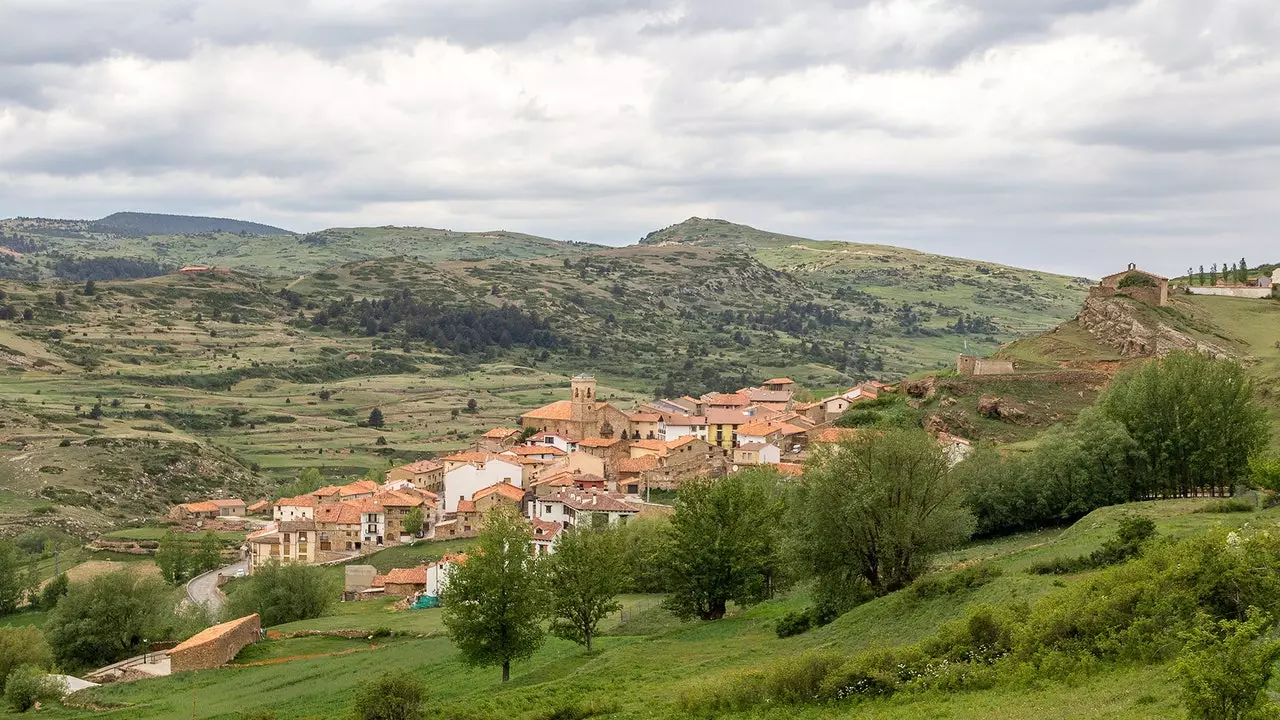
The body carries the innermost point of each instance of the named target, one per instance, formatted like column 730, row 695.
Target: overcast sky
column 1069, row 135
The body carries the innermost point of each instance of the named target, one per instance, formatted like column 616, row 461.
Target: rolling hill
column 146, row 224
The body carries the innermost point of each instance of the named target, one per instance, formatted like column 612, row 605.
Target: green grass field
column 648, row 660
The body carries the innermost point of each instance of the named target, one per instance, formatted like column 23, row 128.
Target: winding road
column 203, row 589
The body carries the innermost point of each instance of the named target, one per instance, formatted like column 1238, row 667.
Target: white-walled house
column 573, row 507
column 678, row 426
column 549, row 439
column 302, row 507
column 464, row 480
column 757, row 454
column 438, row 574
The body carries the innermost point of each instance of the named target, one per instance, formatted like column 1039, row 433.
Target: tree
column 396, row 695
column 375, row 418
column 412, row 522
column 208, row 554
column 60, row 299
column 495, row 602
column 96, row 412
column 1225, row 667
column 585, row 574
column 28, row 314
column 16, row 578
column 720, row 549
column 1213, row 274
column 872, row 511
column 174, row 557
column 1196, row 420
column 22, row 646
column 472, row 405
column 1244, row 272
column 90, row 287
column 53, row 591
column 309, row 480
column 283, row 593
column 29, row 685
column 109, row 617
column 1202, row 275
column 644, row 546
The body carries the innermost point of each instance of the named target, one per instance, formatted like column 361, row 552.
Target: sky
column 1064, row 135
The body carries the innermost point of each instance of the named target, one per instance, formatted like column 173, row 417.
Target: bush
column 283, row 593
column 794, row 623
column 970, row 578
column 1232, row 505
column 396, row 695
column 1127, row 543
column 1225, row 668
column 28, row 685
column 22, row 646
column 53, row 591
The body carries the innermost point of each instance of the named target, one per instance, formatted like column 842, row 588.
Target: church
column 581, row 417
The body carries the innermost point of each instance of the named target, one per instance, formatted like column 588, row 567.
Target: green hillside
column 145, row 224
column 650, row 666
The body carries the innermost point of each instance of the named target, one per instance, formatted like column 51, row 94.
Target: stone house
column 497, row 494
column 582, row 416
column 1139, row 284
column 756, row 454
column 424, row 474
column 585, row 508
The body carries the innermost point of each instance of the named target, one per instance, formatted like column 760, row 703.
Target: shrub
column 1127, row 543
column 794, row 623
column 22, row 646
column 396, row 695
column 1231, row 505
column 970, row 578
column 1225, row 668
column 27, row 685
column 283, row 593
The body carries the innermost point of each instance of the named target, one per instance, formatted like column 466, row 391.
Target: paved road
column 204, row 588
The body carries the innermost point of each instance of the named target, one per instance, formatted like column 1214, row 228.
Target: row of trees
column 180, row 558
column 1179, row 426
column 1235, row 273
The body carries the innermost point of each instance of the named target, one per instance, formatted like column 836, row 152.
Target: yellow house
column 722, row 426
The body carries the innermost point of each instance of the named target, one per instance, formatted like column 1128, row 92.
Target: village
column 576, row 462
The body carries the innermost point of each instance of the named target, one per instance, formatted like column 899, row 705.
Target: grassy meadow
column 648, row 661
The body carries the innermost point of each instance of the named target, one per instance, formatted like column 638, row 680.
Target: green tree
column 309, row 480
column 22, row 646
column 1225, row 666
column 53, row 591
column 283, row 593
column 1213, row 274
column 375, row 418
column 90, row 287
column 871, row 512
column 208, row 555
column 412, row 522
column 585, row 574
column 721, row 549
column 174, row 557
column 60, row 299
column 1203, row 277
column 644, row 546
column 395, row 695
column 1196, row 420
column 28, row 685
column 108, row 618
column 494, row 604
column 1244, row 272
column 17, row 578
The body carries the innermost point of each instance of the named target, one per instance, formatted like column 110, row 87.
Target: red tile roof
column 636, row 465
column 544, row 530
column 780, row 381
column 501, row 433
column 466, row 506
column 299, row 501
column 591, row 500
column 202, row 506
column 728, row 399
column 406, row 576
column 507, row 490
column 421, row 466
column 558, row 410
column 727, row 416
column 659, row 445
column 649, row 417
column 537, row 450
column 598, row 442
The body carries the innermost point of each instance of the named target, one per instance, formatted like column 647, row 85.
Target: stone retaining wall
column 216, row 646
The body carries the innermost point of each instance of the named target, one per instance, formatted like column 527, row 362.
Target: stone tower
column 584, row 399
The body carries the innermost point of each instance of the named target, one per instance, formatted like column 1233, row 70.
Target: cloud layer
column 1061, row 134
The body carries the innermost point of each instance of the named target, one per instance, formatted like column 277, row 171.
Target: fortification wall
column 215, row 646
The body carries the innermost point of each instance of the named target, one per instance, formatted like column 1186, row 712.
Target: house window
column 546, row 509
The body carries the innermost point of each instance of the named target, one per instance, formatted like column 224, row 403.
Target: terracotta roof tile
column 558, row 410
column 501, row 433
column 406, row 576
column 598, row 442
column 466, row 506
column 645, row 417
column 299, row 501
column 537, row 450
column 421, row 466
column 780, row 381
column 640, row 464
column 507, row 490
column 592, row 501
column 544, row 530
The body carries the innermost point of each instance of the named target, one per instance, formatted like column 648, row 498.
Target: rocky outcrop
column 1114, row 322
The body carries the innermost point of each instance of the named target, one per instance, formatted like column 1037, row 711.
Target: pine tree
column 1244, row 272
column 1202, row 275
column 375, row 418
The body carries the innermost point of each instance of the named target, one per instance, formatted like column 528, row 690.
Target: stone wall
column 968, row 365
column 215, row 646
column 1255, row 293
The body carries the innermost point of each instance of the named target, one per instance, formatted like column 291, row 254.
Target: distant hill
column 143, row 224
